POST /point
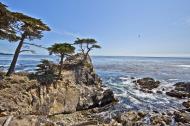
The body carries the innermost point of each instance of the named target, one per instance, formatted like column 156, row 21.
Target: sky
column 122, row 27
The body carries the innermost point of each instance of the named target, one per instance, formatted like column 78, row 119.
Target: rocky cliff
column 26, row 102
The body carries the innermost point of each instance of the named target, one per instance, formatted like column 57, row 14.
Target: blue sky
column 122, row 27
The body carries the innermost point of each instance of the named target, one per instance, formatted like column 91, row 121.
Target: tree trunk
column 15, row 57
column 61, row 66
column 87, row 54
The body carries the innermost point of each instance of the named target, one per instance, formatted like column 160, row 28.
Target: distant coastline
column 5, row 54
column 130, row 56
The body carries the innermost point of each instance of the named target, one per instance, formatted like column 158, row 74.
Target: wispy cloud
column 185, row 21
column 67, row 33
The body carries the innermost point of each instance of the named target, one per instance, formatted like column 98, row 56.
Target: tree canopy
column 8, row 28
column 86, row 45
column 85, row 41
column 61, row 49
column 29, row 26
column 14, row 24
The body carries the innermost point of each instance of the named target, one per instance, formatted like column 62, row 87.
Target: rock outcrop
column 182, row 117
column 79, row 89
column 147, row 84
column 130, row 118
column 186, row 104
column 182, row 90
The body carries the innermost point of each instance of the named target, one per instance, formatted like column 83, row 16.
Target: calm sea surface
column 116, row 73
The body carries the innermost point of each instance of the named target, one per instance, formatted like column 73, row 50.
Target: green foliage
column 61, row 49
column 85, row 41
column 88, row 43
column 13, row 25
column 96, row 46
column 46, row 72
column 7, row 24
column 29, row 26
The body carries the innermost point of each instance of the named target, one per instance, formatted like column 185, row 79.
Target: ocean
column 119, row 72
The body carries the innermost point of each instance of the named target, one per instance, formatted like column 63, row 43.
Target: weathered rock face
column 186, row 104
column 182, row 90
column 134, row 118
column 131, row 118
column 79, row 89
column 162, row 120
column 147, row 84
column 182, row 117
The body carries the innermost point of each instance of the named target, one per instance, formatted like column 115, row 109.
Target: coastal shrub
column 46, row 72
column 88, row 65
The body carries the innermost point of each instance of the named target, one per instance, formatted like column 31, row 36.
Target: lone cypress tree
column 62, row 50
column 86, row 45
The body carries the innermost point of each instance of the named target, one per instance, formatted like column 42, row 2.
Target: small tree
column 62, row 50
column 86, row 45
column 46, row 72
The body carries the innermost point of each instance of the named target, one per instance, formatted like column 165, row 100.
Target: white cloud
column 66, row 33
column 187, row 21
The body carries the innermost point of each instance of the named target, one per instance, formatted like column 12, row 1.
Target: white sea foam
column 185, row 66
column 173, row 79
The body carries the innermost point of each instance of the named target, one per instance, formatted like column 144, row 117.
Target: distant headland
column 5, row 53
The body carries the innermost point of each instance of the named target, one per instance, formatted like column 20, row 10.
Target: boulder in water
column 182, row 90
column 177, row 94
column 147, row 83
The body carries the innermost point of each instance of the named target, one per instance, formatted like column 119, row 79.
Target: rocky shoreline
column 80, row 99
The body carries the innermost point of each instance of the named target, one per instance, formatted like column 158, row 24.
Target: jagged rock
column 147, row 83
column 182, row 86
column 177, row 94
column 2, row 120
column 146, row 90
column 91, row 99
column 182, row 90
column 159, row 92
column 182, row 117
column 82, row 72
column 162, row 120
column 26, row 120
column 130, row 118
column 112, row 123
column 108, row 97
column 186, row 104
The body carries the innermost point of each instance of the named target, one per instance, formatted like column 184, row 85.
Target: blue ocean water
column 116, row 73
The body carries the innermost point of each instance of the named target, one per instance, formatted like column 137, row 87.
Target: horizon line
column 149, row 56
